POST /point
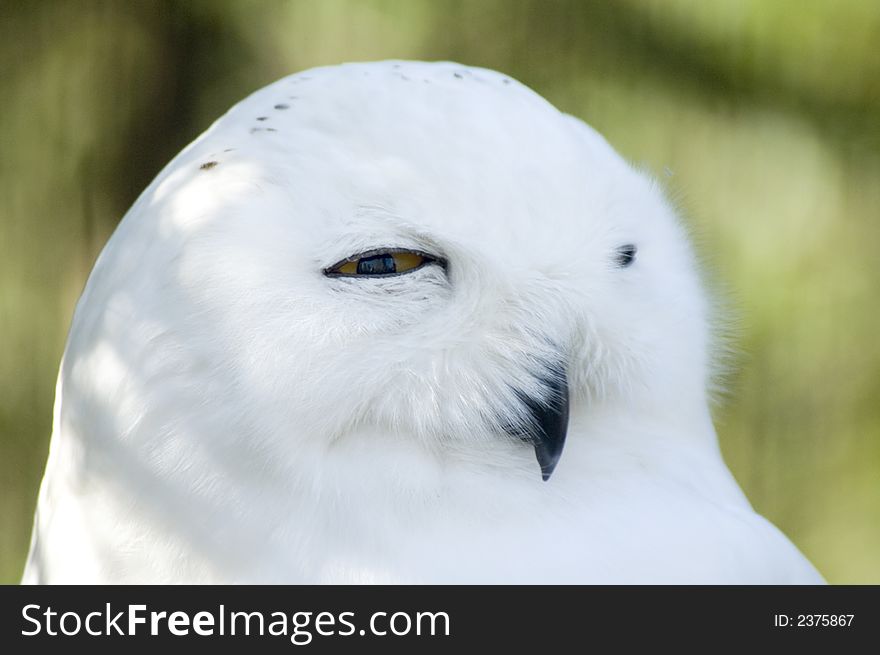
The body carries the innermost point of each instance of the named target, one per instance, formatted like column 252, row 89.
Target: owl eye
column 381, row 263
column 626, row 254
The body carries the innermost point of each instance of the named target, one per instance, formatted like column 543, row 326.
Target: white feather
column 227, row 413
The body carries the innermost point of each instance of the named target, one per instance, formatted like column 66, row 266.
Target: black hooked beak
column 549, row 422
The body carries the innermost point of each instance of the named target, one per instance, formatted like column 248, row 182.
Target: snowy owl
column 395, row 322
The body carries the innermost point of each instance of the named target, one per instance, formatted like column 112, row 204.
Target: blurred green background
column 761, row 116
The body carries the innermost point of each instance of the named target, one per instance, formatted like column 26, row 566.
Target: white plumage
column 228, row 412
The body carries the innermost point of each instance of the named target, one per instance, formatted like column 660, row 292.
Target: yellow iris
column 381, row 263
column 406, row 261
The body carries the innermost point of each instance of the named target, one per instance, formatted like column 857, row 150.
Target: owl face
column 420, row 250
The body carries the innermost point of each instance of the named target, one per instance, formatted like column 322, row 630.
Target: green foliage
column 762, row 118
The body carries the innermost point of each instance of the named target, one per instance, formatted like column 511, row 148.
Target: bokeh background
column 762, row 117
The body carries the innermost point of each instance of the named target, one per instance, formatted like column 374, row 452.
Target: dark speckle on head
column 254, row 130
column 281, row 105
column 262, row 118
column 458, row 75
column 208, row 165
column 506, row 81
column 229, row 150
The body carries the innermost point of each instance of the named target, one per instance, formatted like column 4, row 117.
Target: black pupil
column 626, row 254
column 376, row 265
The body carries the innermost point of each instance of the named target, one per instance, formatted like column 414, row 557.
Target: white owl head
column 427, row 252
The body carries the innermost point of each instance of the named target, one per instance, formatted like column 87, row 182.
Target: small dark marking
column 426, row 81
column 262, row 118
column 262, row 129
column 626, row 254
column 505, row 81
column 281, row 105
column 458, row 75
column 293, row 97
column 208, row 165
column 396, row 66
column 229, row 150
